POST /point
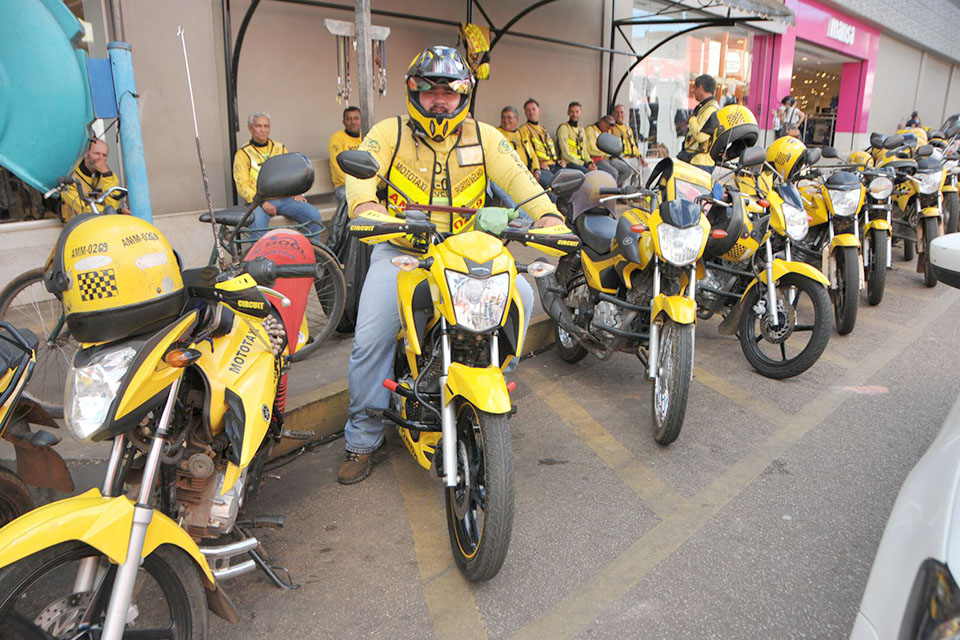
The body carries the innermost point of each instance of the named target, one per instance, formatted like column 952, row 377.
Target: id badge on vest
column 470, row 156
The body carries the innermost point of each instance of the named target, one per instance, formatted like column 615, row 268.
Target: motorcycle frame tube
column 448, row 426
column 771, row 289
column 126, row 577
column 654, row 327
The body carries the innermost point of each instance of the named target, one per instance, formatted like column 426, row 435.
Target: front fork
column 126, row 577
column 771, row 288
column 654, row 351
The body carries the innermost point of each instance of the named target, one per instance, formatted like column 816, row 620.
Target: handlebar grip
column 262, row 270
column 296, row 270
column 419, row 226
column 609, row 191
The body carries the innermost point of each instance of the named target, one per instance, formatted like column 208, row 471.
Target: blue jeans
column 300, row 212
column 494, row 189
column 374, row 346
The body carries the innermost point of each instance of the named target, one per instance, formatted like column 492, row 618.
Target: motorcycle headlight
column 881, row 187
column 479, row 303
column 845, row 201
column 92, row 388
column 930, row 182
column 680, row 247
column 933, row 607
column 796, row 221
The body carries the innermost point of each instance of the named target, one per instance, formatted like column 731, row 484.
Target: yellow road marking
column 755, row 404
column 837, row 359
column 640, row 478
column 568, row 617
column 447, row 593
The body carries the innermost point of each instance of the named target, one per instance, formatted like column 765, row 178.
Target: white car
column 912, row 591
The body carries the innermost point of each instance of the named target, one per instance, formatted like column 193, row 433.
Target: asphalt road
column 760, row 521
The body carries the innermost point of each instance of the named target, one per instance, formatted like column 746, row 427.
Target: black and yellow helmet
column 860, row 158
column 438, row 66
column 787, row 155
column 117, row 276
column 732, row 129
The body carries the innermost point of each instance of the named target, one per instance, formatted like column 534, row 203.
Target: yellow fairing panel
column 877, row 224
column 407, row 282
column 423, row 448
column 103, row 523
column 930, row 212
column 593, row 270
column 844, row 240
column 153, row 375
column 485, row 388
column 782, row 268
column 681, row 309
column 815, row 207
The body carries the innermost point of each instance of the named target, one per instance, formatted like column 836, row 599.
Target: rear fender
column 483, row 387
column 680, row 309
column 101, row 522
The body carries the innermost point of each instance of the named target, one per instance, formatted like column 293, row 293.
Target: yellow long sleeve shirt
column 592, row 132
column 93, row 184
column 696, row 141
column 522, row 145
column 501, row 165
column 247, row 163
column 340, row 141
column 570, row 139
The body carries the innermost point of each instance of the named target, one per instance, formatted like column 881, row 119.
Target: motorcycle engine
column 204, row 513
column 606, row 313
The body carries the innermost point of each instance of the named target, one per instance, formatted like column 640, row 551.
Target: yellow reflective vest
column 523, row 147
column 593, row 132
column 453, row 171
column 542, row 143
column 625, row 133
column 570, row 139
column 697, row 142
column 93, row 185
column 247, row 163
column 340, row 141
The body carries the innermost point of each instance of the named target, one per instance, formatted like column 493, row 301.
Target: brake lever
column 284, row 300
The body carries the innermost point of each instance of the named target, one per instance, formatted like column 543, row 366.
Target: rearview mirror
column 567, row 181
column 283, row 176
column 829, row 152
column 357, row 163
column 892, row 142
column 924, row 150
column 610, row 144
column 813, row 156
column 752, row 156
column 945, row 259
column 952, row 131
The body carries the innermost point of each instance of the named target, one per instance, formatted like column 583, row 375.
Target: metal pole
column 117, row 20
column 364, row 63
column 131, row 136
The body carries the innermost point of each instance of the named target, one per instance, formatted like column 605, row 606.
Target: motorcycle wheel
column 672, row 383
column 951, row 206
column 908, row 246
column 37, row 598
column 325, row 303
column 846, row 297
column 876, row 271
column 568, row 348
column 768, row 349
column 15, row 499
column 480, row 508
column 931, row 229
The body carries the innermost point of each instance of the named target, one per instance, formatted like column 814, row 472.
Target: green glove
column 494, row 220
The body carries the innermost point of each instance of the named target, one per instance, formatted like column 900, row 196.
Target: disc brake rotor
column 462, row 493
column 61, row 617
column 786, row 321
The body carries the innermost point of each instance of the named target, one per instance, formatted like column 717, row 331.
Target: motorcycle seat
column 928, row 164
column 12, row 355
column 230, row 216
column 597, row 231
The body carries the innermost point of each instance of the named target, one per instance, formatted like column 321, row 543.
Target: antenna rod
column 203, row 167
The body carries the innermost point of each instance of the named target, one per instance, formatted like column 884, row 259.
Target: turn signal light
column 180, row 358
column 638, row 228
column 719, row 234
column 763, row 203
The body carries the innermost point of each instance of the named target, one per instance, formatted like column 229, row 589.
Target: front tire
column 847, row 294
column 810, row 313
column 480, row 508
column 37, row 599
column 672, row 382
column 931, row 229
column 876, row 271
column 908, row 246
column 951, row 206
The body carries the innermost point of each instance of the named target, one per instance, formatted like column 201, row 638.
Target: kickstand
column 285, row 582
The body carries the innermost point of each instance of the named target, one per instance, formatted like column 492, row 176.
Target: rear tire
column 876, row 271
column 568, row 348
column 931, row 229
column 847, row 294
column 672, row 384
column 325, row 304
column 908, row 249
column 951, row 207
column 486, row 490
column 15, row 498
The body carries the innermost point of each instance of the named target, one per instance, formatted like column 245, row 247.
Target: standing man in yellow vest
column 246, row 169
column 546, row 152
column 436, row 155
column 696, row 146
column 95, row 178
column 570, row 139
column 347, row 138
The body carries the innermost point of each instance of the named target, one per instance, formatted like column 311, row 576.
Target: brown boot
column 355, row 467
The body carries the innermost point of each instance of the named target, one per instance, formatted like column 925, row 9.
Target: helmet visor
column 461, row 86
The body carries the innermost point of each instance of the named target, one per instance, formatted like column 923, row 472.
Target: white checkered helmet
column 117, row 276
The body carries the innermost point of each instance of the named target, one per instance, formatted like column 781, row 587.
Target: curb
column 324, row 410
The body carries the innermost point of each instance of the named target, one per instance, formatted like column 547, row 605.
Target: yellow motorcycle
column 186, row 376
column 945, row 148
column 632, row 286
column 462, row 323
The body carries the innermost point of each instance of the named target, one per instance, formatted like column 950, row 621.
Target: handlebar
column 266, row 272
column 606, row 191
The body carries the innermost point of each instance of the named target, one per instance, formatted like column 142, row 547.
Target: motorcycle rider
column 436, row 155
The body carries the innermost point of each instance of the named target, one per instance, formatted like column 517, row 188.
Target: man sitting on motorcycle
column 436, row 155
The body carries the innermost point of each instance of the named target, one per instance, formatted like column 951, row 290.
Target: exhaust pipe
column 551, row 296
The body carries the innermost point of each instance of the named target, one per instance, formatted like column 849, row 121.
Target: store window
column 815, row 84
column 661, row 86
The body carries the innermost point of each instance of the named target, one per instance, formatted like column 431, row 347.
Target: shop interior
column 816, row 87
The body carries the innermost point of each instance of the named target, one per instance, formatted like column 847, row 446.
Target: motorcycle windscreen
column 286, row 246
column 45, row 103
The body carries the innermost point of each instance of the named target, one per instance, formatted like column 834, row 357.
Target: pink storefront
column 827, row 62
